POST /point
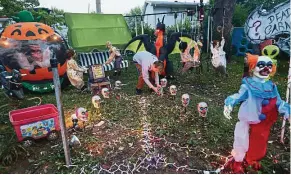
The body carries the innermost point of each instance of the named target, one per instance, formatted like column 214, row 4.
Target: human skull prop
column 96, row 101
column 264, row 67
column 82, row 114
column 185, row 100
column 118, row 84
column 202, row 108
column 105, row 92
column 164, row 82
column 173, row 90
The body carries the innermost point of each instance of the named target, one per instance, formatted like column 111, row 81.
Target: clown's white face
column 105, row 92
column 82, row 114
column 185, row 100
column 164, row 82
column 263, row 68
column 96, row 101
column 173, row 90
column 202, row 108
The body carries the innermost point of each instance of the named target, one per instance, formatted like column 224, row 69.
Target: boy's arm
column 145, row 76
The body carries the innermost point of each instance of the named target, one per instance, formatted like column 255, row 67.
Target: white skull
column 202, row 108
column 105, row 92
column 82, row 114
column 185, row 100
column 173, row 90
column 164, row 82
column 117, row 83
column 264, row 67
column 96, row 101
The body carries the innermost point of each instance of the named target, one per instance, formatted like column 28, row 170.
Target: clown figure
column 80, row 115
column 218, row 56
column 261, row 103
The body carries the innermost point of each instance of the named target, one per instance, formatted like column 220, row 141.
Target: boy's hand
column 158, row 86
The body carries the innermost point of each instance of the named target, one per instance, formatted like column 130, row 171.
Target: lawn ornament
column 164, row 82
column 262, row 25
column 118, row 84
column 271, row 51
column 96, row 100
column 218, row 55
column 202, row 108
column 160, row 48
column 27, row 47
column 25, row 16
column 11, row 83
column 81, row 115
column 105, row 92
column 75, row 74
column 75, row 142
column 261, row 103
column 173, row 91
column 185, row 101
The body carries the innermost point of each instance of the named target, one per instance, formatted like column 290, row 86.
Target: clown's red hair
column 252, row 62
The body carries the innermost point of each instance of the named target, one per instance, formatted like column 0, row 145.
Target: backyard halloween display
column 11, row 83
column 218, row 55
column 202, row 109
column 261, row 103
column 81, row 115
column 27, row 46
column 105, row 92
column 160, row 48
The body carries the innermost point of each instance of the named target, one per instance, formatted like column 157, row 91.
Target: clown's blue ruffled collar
column 259, row 89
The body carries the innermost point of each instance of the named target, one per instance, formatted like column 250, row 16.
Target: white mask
column 118, row 84
column 264, row 67
column 185, row 100
column 82, row 114
column 202, row 108
column 96, row 101
column 173, row 90
column 164, row 82
column 105, row 92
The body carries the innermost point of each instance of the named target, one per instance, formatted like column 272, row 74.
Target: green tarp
column 90, row 31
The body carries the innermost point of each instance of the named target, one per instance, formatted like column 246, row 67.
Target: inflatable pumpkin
column 27, row 47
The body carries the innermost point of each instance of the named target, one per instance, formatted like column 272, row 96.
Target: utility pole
column 98, row 6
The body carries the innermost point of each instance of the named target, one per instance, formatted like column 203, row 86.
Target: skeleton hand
column 227, row 111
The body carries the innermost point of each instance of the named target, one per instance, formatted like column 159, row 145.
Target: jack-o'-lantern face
column 28, row 31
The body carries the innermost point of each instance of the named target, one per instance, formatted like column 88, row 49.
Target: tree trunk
column 222, row 16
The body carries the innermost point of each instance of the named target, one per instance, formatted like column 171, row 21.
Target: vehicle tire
column 27, row 142
column 53, row 135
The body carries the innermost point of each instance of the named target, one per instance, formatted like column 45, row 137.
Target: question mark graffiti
column 256, row 29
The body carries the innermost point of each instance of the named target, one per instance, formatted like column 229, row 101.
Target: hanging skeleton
column 218, row 55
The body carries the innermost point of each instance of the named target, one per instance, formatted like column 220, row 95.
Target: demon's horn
column 163, row 19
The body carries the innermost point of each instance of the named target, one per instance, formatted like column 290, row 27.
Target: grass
column 201, row 142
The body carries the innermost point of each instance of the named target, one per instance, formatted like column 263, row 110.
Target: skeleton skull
column 164, row 82
column 105, row 92
column 96, row 101
column 185, row 100
column 264, row 67
column 82, row 114
column 202, row 108
column 118, row 83
column 173, row 90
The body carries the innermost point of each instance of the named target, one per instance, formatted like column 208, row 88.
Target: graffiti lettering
column 272, row 23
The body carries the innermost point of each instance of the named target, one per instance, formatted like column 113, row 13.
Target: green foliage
column 244, row 7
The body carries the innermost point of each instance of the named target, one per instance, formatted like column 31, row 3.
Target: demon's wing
column 174, row 41
column 140, row 43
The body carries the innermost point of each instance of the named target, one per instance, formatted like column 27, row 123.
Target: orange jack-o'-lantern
column 28, row 46
column 28, row 31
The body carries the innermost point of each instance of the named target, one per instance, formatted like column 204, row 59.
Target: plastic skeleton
column 258, row 112
column 202, row 108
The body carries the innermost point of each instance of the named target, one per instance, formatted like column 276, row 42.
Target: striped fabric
column 91, row 58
